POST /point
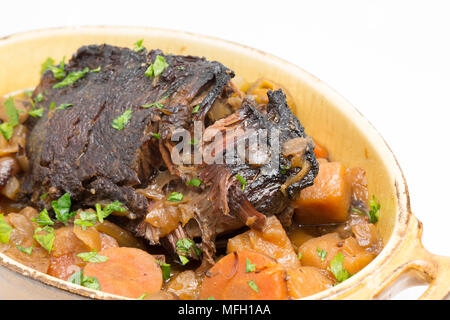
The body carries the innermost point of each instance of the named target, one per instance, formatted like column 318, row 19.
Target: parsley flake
column 321, row 253
column 120, row 122
column 196, row 108
column 374, row 212
column 5, row 229
column 45, row 236
column 194, row 182
column 64, row 106
column 138, row 46
column 71, row 78
column 175, row 197
column 253, row 285
column 28, row 250
column 249, row 267
column 165, row 268
column 43, row 219
column 156, row 68
column 81, row 280
column 62, row 208
column 36, row 113
column 93, row 257
column 241, row 180
column 337, row 268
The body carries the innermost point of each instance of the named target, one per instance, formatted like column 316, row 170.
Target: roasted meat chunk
column 132, row 127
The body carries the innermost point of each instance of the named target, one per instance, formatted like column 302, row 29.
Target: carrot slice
column 128, row 272
column 245, row 275
column 320, row 151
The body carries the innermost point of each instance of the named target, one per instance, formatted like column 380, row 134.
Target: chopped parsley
column 36, row 113
column 138, row 46
column 87, row 219
column 194, row 141
column 156, row 136
column 165, row 268
column 253, row 285
column 120, row 122
column 93, row 257
column 284, row 169
column 249, row 267
column 96, row 70
column 5, row 229
column 180, row 68
column 52, row 105
column 337, row 268
column 183, row 260
column 175, row 197
column 154, row 104
column 211, row 298
column 58, row 72
column 184, row 245
column 62, row 208
column 80, row 279
column 374, row 211
column 142, row 296
column 194, row 182
column 43, row 196
column 115, row 206
column 156, row 68
column 241, row 180
column 13, row 116
column 6, row 130
column 196, row 108
column 71, row 78
column 43, row 219
column 64, row 106
column 39, row 98
column 28, row 250
column 321, row 253
column 45, row 236
column 300, row 255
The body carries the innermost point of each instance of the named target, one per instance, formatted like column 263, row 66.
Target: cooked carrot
column 245, row 275
column 271, row 241
column 306, row 281
column 318, row 252
column 128, row 272
column 328, row 200
column 64, row 266
column 320, row 151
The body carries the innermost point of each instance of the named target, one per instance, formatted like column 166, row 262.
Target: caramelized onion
column 123, row 237
column 11, row 189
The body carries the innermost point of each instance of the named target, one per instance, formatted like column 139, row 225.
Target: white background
column 391, row 59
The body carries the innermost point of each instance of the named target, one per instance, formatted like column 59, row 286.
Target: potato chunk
column 272, row 241
column 328, row 200
column 306, row 281
column 318, row 252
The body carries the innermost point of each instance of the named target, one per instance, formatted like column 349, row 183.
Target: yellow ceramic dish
column 326, row 115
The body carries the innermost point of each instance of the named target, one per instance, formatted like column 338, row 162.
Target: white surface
column 391, row 59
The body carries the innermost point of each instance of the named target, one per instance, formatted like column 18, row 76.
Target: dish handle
column 412, row 255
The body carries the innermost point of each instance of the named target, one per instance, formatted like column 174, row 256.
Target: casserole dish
column 348, row 136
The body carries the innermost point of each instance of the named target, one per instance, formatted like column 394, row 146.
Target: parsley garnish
column 156, row 68
column 71, row 78
column 374, row 212
column 81, row 280
column 183, row 246
column 28, row 251
column 62, row 208
column 39, row 98
column 87, row 219
column 284, row 169
column 300, row 256
column 5, row 229
column 93, row 257
column 64, row 106
column 321, row 253
column 6, row 130
column 52, row 105
column 156, row 136
column 138, row 46
column 43, row 219
column 249, row 267
column 120, row 122
column 58, row 72
column 45, row 237
column 337, row 268
column 253, row 285
column 11, row 112
column 194, row 182
column 154, row 104
column 142, row 296
column 36, row 113
column 210, row 298
column 43, row 196
column 165, row 268
column 183, row 260
column 195, row 110
column 115, row 206
column 241, row 180
column 175, row 197
column 194, row 141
